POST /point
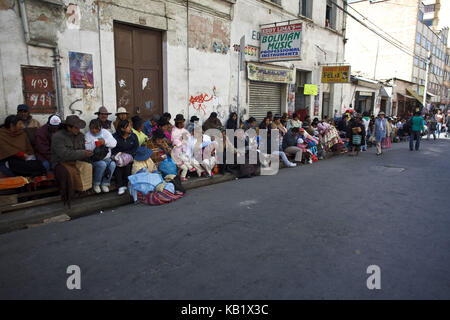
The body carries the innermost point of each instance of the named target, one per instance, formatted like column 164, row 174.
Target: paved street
column 306, row 233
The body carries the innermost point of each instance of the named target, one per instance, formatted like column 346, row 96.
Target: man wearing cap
column 68, row 146
column 43, row 140
column 23, row 111
column 103, row 114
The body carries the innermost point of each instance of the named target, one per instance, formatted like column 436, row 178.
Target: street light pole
column 426, row 79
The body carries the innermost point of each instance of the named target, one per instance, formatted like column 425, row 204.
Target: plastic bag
column 168, row 166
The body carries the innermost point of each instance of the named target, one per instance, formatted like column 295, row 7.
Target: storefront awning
column 414, row 94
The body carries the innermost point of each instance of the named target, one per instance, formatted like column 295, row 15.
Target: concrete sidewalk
column 94, row 204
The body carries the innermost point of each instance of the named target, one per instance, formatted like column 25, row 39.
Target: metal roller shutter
column 264, row 97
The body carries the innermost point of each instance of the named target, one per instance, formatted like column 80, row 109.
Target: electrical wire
column 398, row 46
column 396, row 40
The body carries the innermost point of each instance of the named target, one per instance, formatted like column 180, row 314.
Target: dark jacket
column 67, row 147
column 107, row 125
column 128, row 145
column 212, row 124
column 289, row 140
column 232, row 124
column 43, row 143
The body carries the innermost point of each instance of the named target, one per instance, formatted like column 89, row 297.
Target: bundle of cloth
column 154, row 189
column 329, row 137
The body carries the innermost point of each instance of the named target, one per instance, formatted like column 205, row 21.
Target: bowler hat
column 74, row 121
column 194, row 118
column 102, row 109
column 179, row 118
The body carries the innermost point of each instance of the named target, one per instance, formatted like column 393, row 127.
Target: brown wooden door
column 138, row 57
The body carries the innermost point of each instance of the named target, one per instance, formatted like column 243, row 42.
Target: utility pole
column 424, row 103
column 376, row 61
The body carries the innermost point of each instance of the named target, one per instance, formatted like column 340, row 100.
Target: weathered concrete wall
column 205, row 48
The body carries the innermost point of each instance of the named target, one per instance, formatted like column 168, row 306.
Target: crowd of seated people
column 114, row 150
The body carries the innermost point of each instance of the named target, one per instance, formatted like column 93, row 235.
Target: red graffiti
column 198, row 102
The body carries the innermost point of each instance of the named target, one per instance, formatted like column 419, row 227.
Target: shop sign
column 336, row 74
column 281, row 43
column 365, row 93
column 269, row 74
column 310, row 90
column 250, row 51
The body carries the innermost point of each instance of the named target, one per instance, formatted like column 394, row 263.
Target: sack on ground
column 168, row 166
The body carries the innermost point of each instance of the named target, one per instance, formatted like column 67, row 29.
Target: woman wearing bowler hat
column 180, row 137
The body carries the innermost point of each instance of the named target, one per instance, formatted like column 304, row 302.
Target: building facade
column 407, row 24
column 151, row 56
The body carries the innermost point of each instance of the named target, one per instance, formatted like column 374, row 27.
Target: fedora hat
column 102, row 109
column 179, row 118
column 121, row 110
column 74, row 121
column 381, row 113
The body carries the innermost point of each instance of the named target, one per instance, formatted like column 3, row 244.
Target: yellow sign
column 310, row 90
column 340, row 74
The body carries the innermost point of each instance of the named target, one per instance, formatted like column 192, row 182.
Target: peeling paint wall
column 199, row 52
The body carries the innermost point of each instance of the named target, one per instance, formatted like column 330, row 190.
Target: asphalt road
column 307, row 233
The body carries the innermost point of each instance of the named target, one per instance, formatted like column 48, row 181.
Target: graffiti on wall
column 205, row 103
column 198, row 102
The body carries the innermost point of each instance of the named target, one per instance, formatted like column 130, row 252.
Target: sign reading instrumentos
column 281, row 43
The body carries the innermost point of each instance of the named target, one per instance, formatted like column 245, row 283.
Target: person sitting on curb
column 289, row 144
column 124, row 153
column 43, row 140
column 100, row 141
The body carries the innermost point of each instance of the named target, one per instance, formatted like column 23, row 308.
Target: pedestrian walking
column 432, row 126
column 439, row 122
column 416, row 131
column 380, row 131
